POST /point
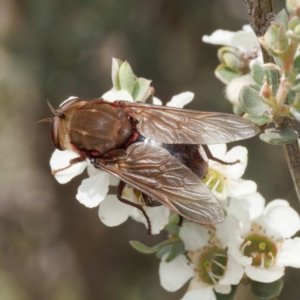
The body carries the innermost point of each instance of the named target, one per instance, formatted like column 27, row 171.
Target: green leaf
column 126, row 77
column 259, row 73
column 282, row 17
column 148, row 250
column 160, row 253
column 276, row 136
column 267, row 290
column 141, row 90
column 229, row 296
column 258, row 120
column 225, row 74
column 251, row 102
column 116, row 63
column 172, row 226
column 177, row 249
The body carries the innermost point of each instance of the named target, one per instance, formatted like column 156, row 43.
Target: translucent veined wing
column 154, row 171
column 180, row 126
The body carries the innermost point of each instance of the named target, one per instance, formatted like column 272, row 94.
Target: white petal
column 237, row 170
column 254, row 204
column 234, row 87
column 244, row 40
column 114, row 95
column 92, row 171
column 241, row 188
column 174, row 274
column 181, row 100
column 194, row 236
column 93, row 189
column 219, row 37
column 218, row 150
column 289, row 255
column 112, row 212
column 113, row 181
column 281, row 217
column 159, row 217
column 156, row 101
column 222, row 289
column 234, row 245
column 224, row 229
column 265, row 275
column 61, row 159
column 199, row 291
column 234, row 272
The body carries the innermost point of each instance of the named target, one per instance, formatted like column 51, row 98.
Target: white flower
column 93, row 190
column 243, row 39
column 264, row 245
column 225, row 180
column 211, row 266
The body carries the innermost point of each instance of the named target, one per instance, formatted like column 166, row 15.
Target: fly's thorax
column 99, row 127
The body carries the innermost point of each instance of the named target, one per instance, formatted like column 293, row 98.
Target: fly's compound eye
column 55, row 134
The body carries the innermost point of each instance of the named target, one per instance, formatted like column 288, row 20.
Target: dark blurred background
column 51, row 246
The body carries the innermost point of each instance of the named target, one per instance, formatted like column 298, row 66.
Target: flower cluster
column 255, row 240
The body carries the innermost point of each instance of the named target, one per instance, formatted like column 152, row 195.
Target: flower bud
column 292, row 6
column 234, row 59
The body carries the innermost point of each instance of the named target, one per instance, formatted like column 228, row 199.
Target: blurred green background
column 51, row 246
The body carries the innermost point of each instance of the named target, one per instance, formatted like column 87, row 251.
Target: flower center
column 262, row 250
column 214, row 180
column 212, row 265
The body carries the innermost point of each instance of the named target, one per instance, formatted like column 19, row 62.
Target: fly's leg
column 138, row 206
column 71, row 163
column 210, row 156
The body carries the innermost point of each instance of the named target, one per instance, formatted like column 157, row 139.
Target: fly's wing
column 180, row 126
column 154, row 171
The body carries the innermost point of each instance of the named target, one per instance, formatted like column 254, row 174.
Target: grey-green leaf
column 258, row 120
column 160, row 253
column 116, row 63
column 126, row 77
column 276, row 136
column 296, row 113
column 177, row 249
column 282, row 17
column 267, row 290
column 148, row 250
column 225, row 74
column 141, row 90
column 259, row 73
column 251, row 102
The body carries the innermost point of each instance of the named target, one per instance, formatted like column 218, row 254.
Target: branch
column 260, row 15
